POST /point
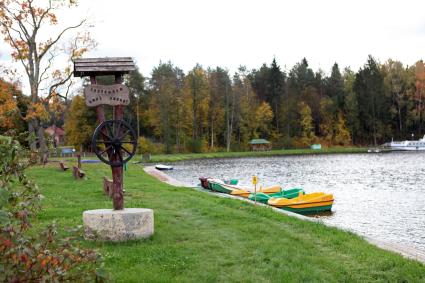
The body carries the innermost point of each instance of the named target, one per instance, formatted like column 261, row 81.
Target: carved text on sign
column 113, row 95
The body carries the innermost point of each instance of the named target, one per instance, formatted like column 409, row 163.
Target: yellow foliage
column 77, row 128
column 144, row 145
column 342, row 135
column 263, row 118
column 56, row 107
column 37, row 111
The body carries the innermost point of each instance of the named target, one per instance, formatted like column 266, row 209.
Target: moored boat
column 205, row 184
column 288, row 194
column 220, row 186
column 163, row 167
column 304, row 204
column 412, row 145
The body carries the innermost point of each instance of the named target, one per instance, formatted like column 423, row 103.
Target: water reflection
column 379, row 195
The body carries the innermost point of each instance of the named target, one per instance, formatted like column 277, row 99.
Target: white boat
column 163, row 167
column 412, row 145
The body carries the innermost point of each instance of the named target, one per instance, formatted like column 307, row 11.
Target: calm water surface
column 377, row 195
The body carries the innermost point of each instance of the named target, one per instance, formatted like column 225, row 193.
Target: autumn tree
column 246, row 102
column 38, row 43
column 307, row 136
column 419, row 94
column 263, row 120
column 166, row 108
column 397, row 88
column 328, row 110
column 342, row 135
column 218, row 86
column 8, row 106
column 197, row 92
column 79, row 123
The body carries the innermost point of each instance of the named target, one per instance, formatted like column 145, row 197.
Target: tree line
column 209, row 109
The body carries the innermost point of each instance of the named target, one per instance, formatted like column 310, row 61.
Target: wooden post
column 117, row 172
column 79, row 160
column 117, row 176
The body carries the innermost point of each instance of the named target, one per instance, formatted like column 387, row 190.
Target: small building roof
column 103, row 66
column 55, row 130
column 259, row 141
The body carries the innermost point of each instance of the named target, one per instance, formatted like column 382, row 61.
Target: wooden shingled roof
column 103, row 66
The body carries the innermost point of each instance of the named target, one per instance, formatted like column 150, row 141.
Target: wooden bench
column 63, row 166
column 107, row 186
column 78, row 173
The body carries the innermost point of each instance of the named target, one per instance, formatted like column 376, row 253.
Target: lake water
column 377, row 195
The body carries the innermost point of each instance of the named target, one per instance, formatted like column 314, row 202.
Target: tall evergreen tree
column 335, row 86
column 275, row 91
column 373, row 108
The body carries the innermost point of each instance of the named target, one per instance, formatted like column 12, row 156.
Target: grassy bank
column 281, row 152
column 202, row 238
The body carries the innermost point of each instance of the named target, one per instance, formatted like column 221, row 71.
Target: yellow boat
column 308, row 203
column 245, row 193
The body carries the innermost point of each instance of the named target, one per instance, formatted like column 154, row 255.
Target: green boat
column 219, row 186
column 288, row 194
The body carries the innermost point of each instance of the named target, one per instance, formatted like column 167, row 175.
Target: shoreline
column 175, row 157
column 406, row 251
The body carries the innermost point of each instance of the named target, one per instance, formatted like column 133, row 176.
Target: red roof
column 58, row 131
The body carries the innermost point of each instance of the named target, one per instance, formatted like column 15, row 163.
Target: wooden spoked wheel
column 114, row 142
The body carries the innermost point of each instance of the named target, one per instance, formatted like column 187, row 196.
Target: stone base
column 118, row 225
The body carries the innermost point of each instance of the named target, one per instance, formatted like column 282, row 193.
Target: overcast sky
column 229, row 33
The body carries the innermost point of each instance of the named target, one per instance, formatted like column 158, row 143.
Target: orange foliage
column 37, row 111
column 7, row 106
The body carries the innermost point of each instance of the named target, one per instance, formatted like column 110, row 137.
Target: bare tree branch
column 49, row 64
column 58, row 38
column 58, row 84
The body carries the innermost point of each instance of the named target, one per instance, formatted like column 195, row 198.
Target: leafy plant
column 34, row 256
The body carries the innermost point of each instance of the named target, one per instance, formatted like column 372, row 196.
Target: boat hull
column 305, row 204
column 309, row 210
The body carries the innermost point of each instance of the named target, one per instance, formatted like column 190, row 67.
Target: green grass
column 190, row 156
column 203, row 238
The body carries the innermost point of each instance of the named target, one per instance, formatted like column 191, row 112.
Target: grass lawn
column 203, row 238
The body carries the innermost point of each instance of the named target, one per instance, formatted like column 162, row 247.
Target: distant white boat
column 412, row 145
column 163, row 167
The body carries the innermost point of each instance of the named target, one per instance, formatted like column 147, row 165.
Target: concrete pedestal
column 118, row 225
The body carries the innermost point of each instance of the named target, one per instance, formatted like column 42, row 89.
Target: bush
column 196, row 146
column 144, row 145
column 40, row 256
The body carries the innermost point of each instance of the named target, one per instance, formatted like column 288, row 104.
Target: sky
column 244, row 32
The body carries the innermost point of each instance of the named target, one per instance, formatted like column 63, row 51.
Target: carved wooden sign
column 113, row 95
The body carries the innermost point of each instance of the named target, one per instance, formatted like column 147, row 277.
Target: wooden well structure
column 114, row 141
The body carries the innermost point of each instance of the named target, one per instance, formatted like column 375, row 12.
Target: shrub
column 144, row 145
column 198, row 146
column 26, row 256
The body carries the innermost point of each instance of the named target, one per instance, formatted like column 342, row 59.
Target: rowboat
column 163, row 167
column 222, row 187
column 304, row 204
column 206, row 185
column 288, row 194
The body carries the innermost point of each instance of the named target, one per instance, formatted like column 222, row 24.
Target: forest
column 209, row 109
